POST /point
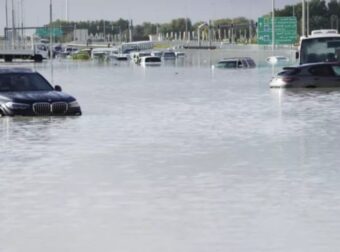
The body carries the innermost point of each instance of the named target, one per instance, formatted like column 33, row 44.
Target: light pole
column 307, row 18
column 273, row 25
column 51, row 37
column 51, row 42
column 66, row 10
column 104, row 31
column 303, row 30
column 13, row 25
column 6, row 14
column 22, row 20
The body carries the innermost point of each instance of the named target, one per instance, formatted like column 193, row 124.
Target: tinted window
column 322, row 70
column 154, row 59
column 320, row 49
column 336, row 70
column 251, row 63
column 227, row 64
column 169, row 54
column 290, row 72
column 17, row 82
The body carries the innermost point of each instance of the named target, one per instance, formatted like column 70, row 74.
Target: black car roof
column 312, row 64
column 335, row 63
column 6, row 70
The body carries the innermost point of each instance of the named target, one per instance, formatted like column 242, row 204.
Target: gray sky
column 36, row 12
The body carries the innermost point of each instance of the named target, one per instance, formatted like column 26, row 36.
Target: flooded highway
column 180, row 157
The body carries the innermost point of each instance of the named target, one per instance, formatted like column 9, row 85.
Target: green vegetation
column 323, row 15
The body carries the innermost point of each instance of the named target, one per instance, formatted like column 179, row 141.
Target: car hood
column 36, row 96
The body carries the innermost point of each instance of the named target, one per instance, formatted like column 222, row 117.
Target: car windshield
column 169, row 54
column 320, row 50
column 336, row 69
column 20, row 82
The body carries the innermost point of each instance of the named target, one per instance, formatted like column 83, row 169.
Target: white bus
column 320, row 46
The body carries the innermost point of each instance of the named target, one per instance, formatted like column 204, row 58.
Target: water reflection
column 304, row 93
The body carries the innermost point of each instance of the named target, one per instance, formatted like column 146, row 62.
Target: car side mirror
column 58, row 88
column 297, row 55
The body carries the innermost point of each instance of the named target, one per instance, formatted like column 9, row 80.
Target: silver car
column 241, row 62
column 316, row 75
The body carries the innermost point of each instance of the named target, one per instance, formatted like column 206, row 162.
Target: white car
column 150, row 61
column 240, row 62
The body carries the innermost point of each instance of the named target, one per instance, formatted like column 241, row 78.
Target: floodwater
column 173, row 158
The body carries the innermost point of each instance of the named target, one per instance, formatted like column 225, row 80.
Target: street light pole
column 13, row 25
column 307, row 18
column 6, row 14
column 22, row 20
column 66, row 7
column 51, row 30
column 273, row 25
column 51, row 42
column 303, row 30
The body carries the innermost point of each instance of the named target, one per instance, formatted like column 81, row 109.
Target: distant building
column 81, row 35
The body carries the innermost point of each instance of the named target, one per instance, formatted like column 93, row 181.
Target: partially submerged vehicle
column 102, row 53
column 277, row 60
column 314, row 75
column 27, row 93
column 150, row 61
column 237, row 62
column 320, row 46
column 136, row 56
column 157, row 53
column 37, row 52
column 169, row 55
column 179, row 54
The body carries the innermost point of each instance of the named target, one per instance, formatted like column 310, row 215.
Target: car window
column 322, row 70
column 18, row 82
column 153, row 59
column 244, row 63
column 290, row 72
column 251, row 63
column 228, row 64
column 336, row 70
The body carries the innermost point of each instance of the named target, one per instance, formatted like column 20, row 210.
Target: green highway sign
column 45, row 32
column 285, row 30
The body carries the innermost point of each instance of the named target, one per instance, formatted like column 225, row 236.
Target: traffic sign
column 46, row 32
column 285, row 30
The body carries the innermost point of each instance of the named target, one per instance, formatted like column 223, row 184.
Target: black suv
column 25, row 92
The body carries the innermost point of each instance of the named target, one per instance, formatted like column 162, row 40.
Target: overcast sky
column 36, row 12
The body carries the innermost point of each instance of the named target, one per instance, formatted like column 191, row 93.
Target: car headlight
column 15, row 105
column 73, row 104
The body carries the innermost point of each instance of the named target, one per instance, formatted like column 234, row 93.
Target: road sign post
column 285, row 30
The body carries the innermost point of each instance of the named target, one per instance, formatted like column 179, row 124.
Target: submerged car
column 27, row 93
column 169, row 55
column 277, row 60
column 150, row 61
column 240, row 62
column 314, row 75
